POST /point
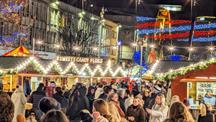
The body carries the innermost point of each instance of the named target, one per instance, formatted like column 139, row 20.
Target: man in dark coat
column 77, row 102
column 35, row 98
column 107, row 91
column 58, row 96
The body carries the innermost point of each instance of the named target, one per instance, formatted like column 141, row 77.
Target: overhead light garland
column 178, row 28
column 71, row 66
column 157, row 24
column 184, row 70
column 184, row 35
column 144, row 19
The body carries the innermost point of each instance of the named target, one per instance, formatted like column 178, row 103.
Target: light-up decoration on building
column 178, row 29
column 71, row 66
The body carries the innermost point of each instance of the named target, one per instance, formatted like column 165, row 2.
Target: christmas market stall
column 30, row 71
column 193, row 81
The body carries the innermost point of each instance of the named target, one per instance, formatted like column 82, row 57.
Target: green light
column 83, row 12
column 103, row 20
column 93, row 18
column 57, row 2
column 80, row 15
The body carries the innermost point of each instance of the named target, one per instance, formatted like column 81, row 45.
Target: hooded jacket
column 77, row 102
column 19, row 100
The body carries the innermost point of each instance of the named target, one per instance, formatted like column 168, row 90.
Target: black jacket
column 103, row 96
column 122, row 104
column 208, row 118
column 61, row 99
column 77, row 102
column 137, row 112
column 35, row 98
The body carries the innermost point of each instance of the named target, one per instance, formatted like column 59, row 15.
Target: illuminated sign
column 80, row 59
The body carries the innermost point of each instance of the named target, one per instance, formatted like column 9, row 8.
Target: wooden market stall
column 32, row 70
column 192, row 81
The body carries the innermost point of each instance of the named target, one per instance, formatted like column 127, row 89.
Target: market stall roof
column 11, row 62
column 165, row 66
column 19, row 51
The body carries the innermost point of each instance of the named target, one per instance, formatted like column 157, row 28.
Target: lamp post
column 140, row 43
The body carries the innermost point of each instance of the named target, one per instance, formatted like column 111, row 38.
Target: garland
column 184, row 35
column 178, row 28
column 184, row 70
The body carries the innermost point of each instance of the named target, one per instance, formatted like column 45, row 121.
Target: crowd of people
column 98, row 103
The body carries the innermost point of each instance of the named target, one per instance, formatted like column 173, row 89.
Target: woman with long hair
column 113, row 99
column 115, row 108
column 100, row 106
column 205, row 114
column 179, row 113
column 159, row 111
column 135, row 112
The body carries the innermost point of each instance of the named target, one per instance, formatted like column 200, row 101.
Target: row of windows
column 53, row 27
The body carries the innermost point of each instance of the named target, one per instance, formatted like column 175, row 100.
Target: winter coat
column 159, row 113
column 98, row 92
column 100, row 119
column 148, row 102
column 114, row 110
column 122, row 104
column 61, row 99
column 19, row 100
column 77, row 102
column 117, row 105
column 91, row 100
column 137, row 112
column 208, row 118
column 128, row 102
column 35, row 98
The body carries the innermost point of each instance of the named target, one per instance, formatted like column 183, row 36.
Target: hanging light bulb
column 171, row 48
column 211, row 48
column 191, row 49
column 152, row 46
column 95, row 48
column 39, row 42
column 57, row 46
column 134, row 44
column 76, row 48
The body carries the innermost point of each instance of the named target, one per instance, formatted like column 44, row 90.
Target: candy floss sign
column 80, row 59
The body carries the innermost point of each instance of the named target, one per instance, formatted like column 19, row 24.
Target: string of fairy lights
column 70, row 67
column 171, row 74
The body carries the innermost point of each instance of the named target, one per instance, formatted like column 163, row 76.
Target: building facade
column 58, row 27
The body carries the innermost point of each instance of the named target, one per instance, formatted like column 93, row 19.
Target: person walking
column 19, row 100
